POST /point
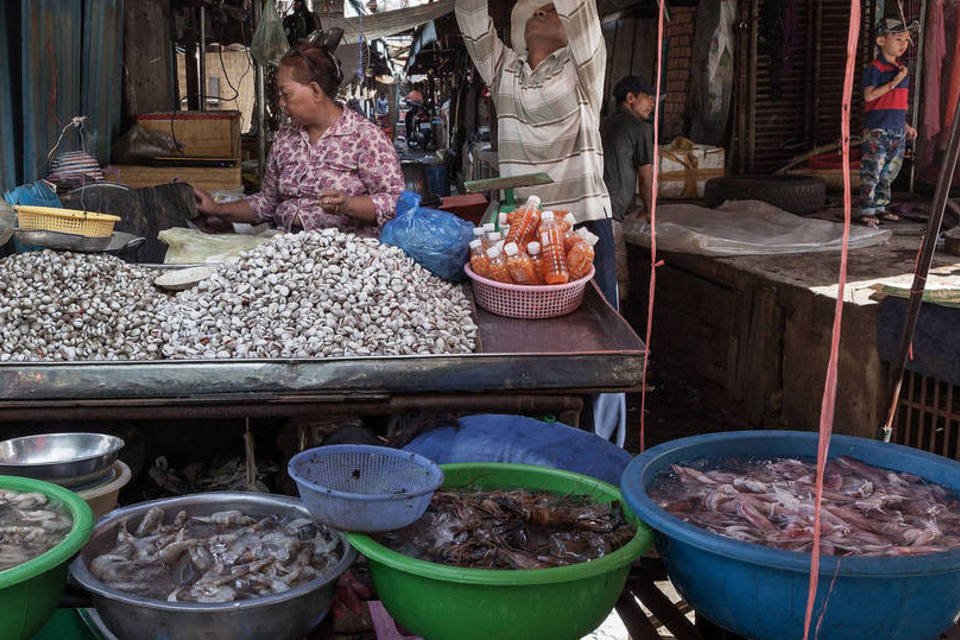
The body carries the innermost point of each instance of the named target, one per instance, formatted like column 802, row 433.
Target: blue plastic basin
column 761, row 593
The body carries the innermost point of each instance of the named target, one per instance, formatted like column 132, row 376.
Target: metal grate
column 929, row 415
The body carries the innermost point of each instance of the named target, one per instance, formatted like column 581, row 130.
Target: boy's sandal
column 869, row 221
column 889, row 216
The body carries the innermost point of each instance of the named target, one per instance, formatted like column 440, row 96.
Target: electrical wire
column 223, row 66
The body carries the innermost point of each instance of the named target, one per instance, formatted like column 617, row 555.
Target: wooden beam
column 147, row 65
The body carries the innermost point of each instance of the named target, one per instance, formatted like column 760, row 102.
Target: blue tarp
column 936, row 342
column 509, row 438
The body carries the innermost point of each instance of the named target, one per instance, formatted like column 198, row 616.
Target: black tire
column 796, row 194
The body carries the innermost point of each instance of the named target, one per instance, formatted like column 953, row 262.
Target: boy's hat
column 895, row 25
column 632, row 84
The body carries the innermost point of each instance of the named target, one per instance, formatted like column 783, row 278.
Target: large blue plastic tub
column 761, row 593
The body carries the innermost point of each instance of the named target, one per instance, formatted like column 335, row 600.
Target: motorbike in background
column 419, row 129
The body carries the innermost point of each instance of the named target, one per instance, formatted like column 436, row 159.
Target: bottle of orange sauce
column 523, row 226
column 533, row 251
column 519, row 265
column 498, row 266
column 580, row 257
column 554, row 258
column 479, row 262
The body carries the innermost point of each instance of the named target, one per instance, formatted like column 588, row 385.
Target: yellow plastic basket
column 85, row 223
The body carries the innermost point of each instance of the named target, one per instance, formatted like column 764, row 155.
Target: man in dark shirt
column 628, row 158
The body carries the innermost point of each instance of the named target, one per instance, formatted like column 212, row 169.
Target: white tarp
column 745, row 227
column 381, row 25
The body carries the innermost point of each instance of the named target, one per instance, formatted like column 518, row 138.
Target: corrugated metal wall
column 772, row 129
column 102, row 79
column 833, row 20
column 55, row 83
column 50, row 84
column 631, row 50
column 8, row 129
column 779, row 127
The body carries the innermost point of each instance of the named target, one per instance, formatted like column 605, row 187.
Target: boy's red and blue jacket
column 889, row 111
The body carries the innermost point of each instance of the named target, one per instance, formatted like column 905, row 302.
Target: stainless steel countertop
column 592, row 348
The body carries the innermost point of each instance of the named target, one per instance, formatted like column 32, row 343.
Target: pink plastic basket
column 528, row 302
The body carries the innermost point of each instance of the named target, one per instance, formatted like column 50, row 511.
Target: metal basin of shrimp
column 214, row 565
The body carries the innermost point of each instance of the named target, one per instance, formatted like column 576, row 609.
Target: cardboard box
column 207, row 178
column 686, row 166
column 203, row 134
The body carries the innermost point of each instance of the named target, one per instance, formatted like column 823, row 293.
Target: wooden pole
column 917, row 83
column 927, row 247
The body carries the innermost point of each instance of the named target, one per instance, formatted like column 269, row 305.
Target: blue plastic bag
column 438, row 241
column 35, row 194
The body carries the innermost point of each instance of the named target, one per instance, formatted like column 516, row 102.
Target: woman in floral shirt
column 329, row 168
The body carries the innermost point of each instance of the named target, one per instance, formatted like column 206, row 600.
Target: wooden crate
column 203, row 134
column 208, row 178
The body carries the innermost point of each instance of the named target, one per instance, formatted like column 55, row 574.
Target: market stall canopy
column 388, row 23
column 424, row 36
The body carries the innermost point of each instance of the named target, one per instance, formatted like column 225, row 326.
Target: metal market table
column 520, row 366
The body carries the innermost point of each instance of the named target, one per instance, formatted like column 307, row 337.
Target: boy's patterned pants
column 879, row 166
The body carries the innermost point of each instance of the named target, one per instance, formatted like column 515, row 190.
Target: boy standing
column 885, row 129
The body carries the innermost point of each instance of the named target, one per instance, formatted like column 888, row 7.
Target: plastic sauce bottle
column 565, row 220
column 581, row 255
column 519, row 265
column 479, row 262
column 570, row 234
column 523, row 228
column 533, row 251
column 492, row 239
column 498, row 266
column 554, row 259
column 478, row 233
column 502, row 219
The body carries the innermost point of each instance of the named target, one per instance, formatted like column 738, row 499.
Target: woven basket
column 83, row 223
column 528, row 302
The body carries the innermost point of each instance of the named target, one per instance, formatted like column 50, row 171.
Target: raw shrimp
column 223, row 557
column 511, row 529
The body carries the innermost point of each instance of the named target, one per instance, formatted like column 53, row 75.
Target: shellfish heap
column 308, row 295
column 65, row 306
column 318, row 294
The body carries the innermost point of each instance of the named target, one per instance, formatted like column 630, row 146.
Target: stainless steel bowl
column 281, row 616
column 69, row 459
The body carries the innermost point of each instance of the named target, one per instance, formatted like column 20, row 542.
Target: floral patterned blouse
column 352, row 156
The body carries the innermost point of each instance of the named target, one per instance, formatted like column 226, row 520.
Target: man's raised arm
column 480, row 37
column 581, row 22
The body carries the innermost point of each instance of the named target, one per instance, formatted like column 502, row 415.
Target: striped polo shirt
column 548, row 117
column 889, row 111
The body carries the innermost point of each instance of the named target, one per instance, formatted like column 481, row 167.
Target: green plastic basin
column 441, row 602
column 29, row 592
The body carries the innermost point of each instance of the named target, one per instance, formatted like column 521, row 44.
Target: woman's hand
column 335, row 202
column 211, row 212
column 205, row 202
